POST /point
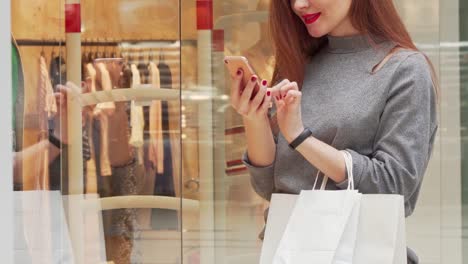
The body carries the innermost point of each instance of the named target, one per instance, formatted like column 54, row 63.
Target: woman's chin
column 316, row 32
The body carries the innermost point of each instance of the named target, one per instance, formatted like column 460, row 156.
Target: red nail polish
column 268, row 93
column 264, row 82
column 253, row 79
column 239, row 72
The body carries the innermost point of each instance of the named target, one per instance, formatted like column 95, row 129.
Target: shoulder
column 411, row 64
column 410, row 69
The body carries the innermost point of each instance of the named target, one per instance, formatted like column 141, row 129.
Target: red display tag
column 72, row 18
column 204, row 14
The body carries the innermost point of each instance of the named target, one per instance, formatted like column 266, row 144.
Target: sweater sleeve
column 261, row 178
column 403, row 142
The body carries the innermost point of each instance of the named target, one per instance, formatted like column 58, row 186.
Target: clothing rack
column 87, row 42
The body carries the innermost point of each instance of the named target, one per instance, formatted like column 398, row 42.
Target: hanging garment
column 46, row 109
column 50, row 106
column 156, row 146
column 137, row 121
column 121, row 152
column 92, row 76
column 103, row 110
column 127, row 173
column 143, row 70
column 165, row 219
column 89, row 167
column 105, row 157
column 106, row 85
column 173, row 110
column 91, row 177
column 58, row 71
column 58, row 75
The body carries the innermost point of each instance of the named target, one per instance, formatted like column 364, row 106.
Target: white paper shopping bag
column 281, row 207
column 338, row 227
column 381, row 231
column 321, row 223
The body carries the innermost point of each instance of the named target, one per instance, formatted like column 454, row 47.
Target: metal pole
column 205, row 126
column 75, row 162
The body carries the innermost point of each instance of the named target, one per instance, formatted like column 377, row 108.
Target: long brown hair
column 294, row 46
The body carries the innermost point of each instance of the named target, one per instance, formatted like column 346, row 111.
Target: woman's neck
column 344, row 29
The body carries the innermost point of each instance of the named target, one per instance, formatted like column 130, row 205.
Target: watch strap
column 299, row 139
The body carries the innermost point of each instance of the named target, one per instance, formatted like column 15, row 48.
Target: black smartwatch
column 303, row 136
column 55, row 141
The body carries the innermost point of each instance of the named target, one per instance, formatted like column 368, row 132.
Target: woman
column 349, row 72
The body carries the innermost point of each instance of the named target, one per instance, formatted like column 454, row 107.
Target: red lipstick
column 311, row 18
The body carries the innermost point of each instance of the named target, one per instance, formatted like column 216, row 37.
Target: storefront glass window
column 138, row 158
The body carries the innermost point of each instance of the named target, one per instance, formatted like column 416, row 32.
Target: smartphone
column 233, row 63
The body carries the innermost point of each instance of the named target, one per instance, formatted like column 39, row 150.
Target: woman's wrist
column 260, row 121
column 293, row 134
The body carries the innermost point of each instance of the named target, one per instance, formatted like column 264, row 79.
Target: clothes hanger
column 52, row 53
column 131, row 54
column 161, row 56
column 114, row 52
column 42, row 49
column 84, row 58
column 104, row 50
column 141, row 59
column 150, row 56
column 92, row 55
column 98, row 54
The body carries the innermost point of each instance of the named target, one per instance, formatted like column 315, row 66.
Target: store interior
column 145, row 153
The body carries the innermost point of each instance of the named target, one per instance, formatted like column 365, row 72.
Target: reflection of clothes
column 156, row 148
column 137, row 121
column 125, row 181
column 92, row 75
column 103, row 117
column 105, row 164
column 143, row 72
column 91, row 170
column 127, row 174
column 106, row 86
column 58, row 71
column 46, row 108
column 86, row 148
column 46, row 91
column 58, row 75
column 164, row 218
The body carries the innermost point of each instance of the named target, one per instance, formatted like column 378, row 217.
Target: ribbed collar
column 351, row 44
column 373, row 49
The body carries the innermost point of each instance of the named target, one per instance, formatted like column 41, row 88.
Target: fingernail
column 239, row 72
column 264, row 82
column 253, row 79
column 268, row 93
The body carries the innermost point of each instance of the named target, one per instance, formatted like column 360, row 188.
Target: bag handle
column 349, row 170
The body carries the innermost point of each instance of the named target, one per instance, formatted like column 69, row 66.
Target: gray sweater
column 386, row 120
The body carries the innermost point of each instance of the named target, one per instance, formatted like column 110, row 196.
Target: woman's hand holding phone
column 251, row 106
